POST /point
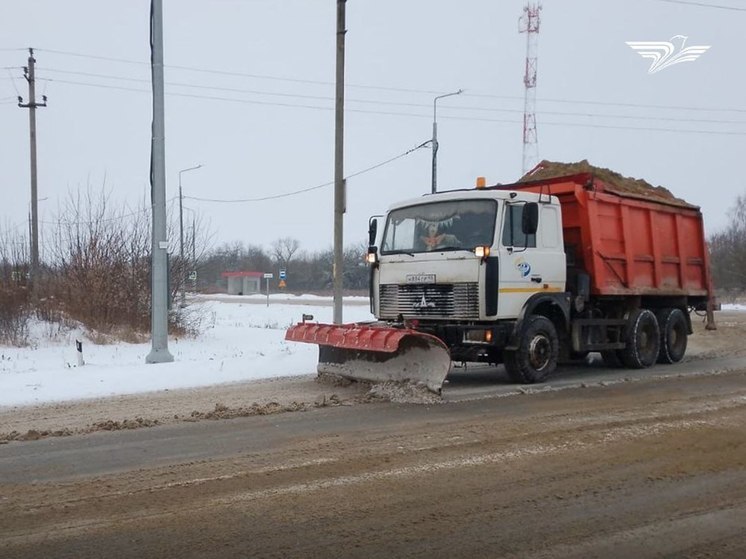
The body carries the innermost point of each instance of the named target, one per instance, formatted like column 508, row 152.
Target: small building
column 243, row 283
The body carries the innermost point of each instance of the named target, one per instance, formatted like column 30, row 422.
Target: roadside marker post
column 268, row 277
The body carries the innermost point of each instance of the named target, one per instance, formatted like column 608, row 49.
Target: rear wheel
column 536, row 356
column 642, row 337
column 674, row 332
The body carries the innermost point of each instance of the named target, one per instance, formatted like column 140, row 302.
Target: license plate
column 420, row 278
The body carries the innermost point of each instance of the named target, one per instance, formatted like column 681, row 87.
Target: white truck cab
column 475, row 255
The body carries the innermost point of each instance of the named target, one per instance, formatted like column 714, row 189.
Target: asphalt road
column 648, row 467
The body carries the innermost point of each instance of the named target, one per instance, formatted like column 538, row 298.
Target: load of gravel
column 614, row 182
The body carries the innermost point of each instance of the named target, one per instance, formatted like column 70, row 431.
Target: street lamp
column 434, row 141
column 181, row 234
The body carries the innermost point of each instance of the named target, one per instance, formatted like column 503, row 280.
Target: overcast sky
column 250, row 87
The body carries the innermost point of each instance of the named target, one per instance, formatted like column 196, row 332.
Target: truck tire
column 642, row 337
column 674, row 333
column 537, row 354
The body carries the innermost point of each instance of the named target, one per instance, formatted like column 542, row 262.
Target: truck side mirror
column 372, row 230
column 530, row 219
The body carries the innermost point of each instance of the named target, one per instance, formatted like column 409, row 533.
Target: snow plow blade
column 376, row 353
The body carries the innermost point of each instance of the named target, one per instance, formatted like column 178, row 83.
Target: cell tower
column 529, row 24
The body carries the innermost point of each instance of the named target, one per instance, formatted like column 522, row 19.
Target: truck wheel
column 536, row 357
column 642, row 337
column 674, row 334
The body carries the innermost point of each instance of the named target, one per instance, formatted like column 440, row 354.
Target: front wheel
column 537, row 353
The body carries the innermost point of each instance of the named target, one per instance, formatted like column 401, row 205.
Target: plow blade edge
column 377, row 353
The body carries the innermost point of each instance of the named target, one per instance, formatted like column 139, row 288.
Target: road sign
column 193, row 275
column 282, row 274
column 268, row 276
column 282, row 283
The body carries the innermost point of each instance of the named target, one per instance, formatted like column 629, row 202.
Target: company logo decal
column 523, row 267
column 665, row 54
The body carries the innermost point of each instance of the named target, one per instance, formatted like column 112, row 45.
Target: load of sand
column 615, row 182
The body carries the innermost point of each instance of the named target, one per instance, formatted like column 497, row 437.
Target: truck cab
column 467, row 265
column 471, row 255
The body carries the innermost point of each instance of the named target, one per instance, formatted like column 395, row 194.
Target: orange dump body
column 629, row 243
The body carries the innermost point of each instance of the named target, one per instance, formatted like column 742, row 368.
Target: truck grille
column 453, row 301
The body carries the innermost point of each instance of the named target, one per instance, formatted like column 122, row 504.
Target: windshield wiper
column 449, row 249
column 394, row 252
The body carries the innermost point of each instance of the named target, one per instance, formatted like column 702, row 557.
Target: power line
column 309, row 189
column 240, row 74
column 475, row 95
column 379, row 102
column 703, row 5
column 610, row 103
column 396, row 89
column 416, row 115
column 12, row 79
column 93, row 56
column 105, row 220
column 96, row 221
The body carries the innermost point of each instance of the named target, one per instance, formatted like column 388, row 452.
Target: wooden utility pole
column 339, row 182
column 31, row 106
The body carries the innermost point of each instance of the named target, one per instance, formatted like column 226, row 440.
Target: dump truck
column 528, row 274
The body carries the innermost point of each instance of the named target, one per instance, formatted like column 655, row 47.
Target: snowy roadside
column 239, row 366
column 241, row 340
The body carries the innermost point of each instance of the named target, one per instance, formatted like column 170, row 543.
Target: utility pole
column 159, row 255
column 31, row 106
column 182, row 278
column 434, row 141
column 339, row 182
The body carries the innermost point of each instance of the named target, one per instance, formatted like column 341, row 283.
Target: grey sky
column 594, row 97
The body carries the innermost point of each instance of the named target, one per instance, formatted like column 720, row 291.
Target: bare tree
column 728, row 251
column 283, row 250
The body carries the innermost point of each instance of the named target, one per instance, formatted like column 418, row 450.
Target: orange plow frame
column 376, row 353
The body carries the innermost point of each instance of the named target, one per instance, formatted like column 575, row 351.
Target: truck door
column 529, row 263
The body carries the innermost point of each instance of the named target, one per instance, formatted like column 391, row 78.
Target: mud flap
column 377, row 354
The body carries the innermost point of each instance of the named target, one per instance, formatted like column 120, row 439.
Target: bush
column 14, row 314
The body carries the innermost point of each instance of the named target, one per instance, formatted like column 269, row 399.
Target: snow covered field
column 242, row 339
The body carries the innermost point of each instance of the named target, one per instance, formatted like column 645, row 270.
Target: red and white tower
column 529, row 24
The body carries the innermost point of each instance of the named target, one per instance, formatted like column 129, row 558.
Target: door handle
column 536, row 279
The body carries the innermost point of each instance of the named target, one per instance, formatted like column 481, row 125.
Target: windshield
column 453, row 225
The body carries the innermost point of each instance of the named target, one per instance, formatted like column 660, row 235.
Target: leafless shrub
column 99, row 265
column 97, row 269
column 15, row 310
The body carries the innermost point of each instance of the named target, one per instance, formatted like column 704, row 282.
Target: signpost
column 282, row 278
column 268, row 277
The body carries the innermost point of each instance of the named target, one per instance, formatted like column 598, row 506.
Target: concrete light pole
column 182, row 279
column 340, row 188
column 159, row 255
column 434, row 141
